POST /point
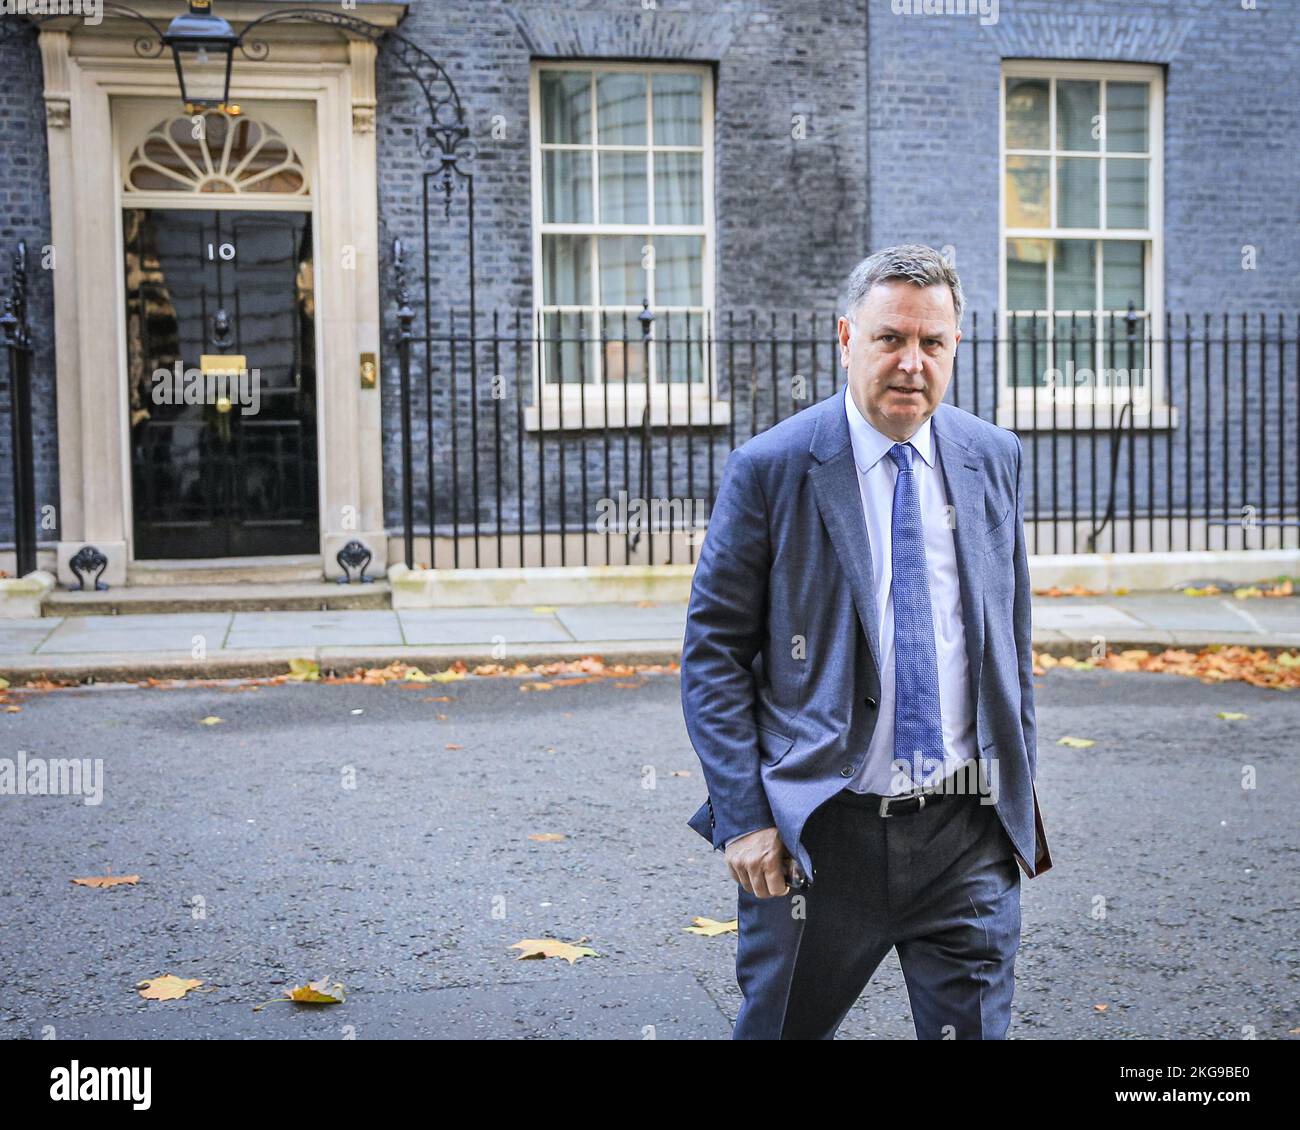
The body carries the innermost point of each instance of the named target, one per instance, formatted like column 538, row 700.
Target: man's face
column 899, row 354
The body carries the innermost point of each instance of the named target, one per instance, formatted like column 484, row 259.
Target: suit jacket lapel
column 839, row 498
column 963, row 478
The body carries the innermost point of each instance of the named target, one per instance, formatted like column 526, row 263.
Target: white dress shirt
column 877, row 474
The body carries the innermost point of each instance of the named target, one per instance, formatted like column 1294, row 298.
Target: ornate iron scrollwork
column 88, row 559
column 354, row 555
column 446, row 144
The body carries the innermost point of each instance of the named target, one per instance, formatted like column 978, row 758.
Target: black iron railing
column 18, row 350
column 537, row 440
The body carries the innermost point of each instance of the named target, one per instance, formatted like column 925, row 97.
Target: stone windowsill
column 1024, row 417
column 589, row 411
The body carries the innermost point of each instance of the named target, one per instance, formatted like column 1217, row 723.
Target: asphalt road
column 329, row 831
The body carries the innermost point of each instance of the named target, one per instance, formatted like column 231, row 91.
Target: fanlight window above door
column 215, row 153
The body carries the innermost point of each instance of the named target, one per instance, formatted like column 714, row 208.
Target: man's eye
column 887, row 337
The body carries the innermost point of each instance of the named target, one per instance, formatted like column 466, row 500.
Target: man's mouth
column 906, row 388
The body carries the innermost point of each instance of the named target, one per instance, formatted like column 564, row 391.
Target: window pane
column 1078, row 192
column 623, row 188
column 1027, row 354
column 1123, row 355
column 1074, row 275
column 623, row 279
column 620, row 108
column 566, row 107
column 1126, row 192
column 679, row 270
column 1027, row 274
column 679, row 188
column 678, row 109
column 679, row 361
column 1126, row 117
column 1027, row 192
column 566, row 270
column 1072, row 350
column 1077, row 108
column 564, row 356
column 1027, row 102
column 1121, row 278
column 625, row 350
column 566, row 186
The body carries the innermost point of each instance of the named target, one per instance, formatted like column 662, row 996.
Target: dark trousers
column 941, row 885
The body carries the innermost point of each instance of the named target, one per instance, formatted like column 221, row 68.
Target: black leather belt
column 898, row 805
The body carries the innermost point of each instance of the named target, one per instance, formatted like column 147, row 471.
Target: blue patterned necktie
column 918, row 731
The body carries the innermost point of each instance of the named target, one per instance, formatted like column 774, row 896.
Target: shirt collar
column 870, row 445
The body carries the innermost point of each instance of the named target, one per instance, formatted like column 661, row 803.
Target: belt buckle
column 885, row 802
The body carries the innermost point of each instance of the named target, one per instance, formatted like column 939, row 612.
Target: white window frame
column 1063, row 408
column 584, row 404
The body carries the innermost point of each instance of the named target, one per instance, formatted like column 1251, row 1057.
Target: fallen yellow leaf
column 212, row 720
column 711, row 928
column 1076, row 743
column 166, row 988
column 549, row 947
column 316, row 992
column 304, row 670
column 107, row 880
column 1229, row 716
column 547, row 837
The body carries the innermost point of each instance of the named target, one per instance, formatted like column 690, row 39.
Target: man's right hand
column 756, row 861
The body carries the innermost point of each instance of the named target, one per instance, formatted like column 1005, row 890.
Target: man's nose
column 911, row 360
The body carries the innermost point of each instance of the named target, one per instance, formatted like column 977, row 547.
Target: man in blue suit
column 857, row 681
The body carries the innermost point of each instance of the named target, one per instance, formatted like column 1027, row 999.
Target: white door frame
column 86, row 67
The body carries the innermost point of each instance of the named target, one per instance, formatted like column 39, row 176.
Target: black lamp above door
column 202, row 45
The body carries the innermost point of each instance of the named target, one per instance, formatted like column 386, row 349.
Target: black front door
column 221, row 362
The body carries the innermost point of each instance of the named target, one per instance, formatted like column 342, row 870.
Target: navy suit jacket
column 779, row 729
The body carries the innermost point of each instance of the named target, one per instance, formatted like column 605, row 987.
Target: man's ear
column 841, row 326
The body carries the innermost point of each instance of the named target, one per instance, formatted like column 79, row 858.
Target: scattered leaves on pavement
column 1245, row 592
column 1073, row 590
column 1213, row 664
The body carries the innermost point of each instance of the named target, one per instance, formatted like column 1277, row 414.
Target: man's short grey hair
column 912, row 262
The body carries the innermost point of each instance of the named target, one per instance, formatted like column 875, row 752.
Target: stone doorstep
column 248, row 597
